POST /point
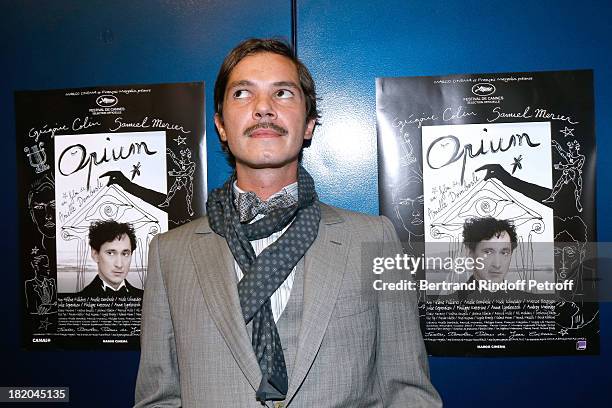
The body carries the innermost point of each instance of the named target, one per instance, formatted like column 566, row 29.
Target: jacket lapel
column 214, row 265
column 324, row 267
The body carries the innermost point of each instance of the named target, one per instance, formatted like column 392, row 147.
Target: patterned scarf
column 263, row 274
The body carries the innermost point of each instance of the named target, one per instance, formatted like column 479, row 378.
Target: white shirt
column 280, row 297
column 107, row 286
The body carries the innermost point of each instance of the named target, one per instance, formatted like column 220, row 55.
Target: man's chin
column 497, row 278
column 267, row 163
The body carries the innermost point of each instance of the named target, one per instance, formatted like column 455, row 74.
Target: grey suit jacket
column 356, row 348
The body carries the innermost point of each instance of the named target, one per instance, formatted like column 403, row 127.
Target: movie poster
column 489, row 180
column 101, row 171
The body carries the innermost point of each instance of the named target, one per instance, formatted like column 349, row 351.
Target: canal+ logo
column 106, row 101
column 483, row 89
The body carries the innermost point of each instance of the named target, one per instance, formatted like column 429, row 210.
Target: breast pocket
column 352, row 326
column 351, row 305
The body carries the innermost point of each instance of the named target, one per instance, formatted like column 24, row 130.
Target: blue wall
column 73, row 43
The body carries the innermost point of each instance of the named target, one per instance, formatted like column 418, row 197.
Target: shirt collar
column 291, row 189
column 106, row 285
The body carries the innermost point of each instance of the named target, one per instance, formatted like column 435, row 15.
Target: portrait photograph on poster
column 460, row 192
column 145, row 161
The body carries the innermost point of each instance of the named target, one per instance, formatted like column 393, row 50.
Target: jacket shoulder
column 358, row 223
column 186, row 231
column 93, row 288
column 332, row 212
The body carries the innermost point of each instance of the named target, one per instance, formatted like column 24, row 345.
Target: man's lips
column 264, row 133
column 265, row 130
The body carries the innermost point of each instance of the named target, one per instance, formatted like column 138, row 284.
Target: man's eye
column 284, row 94
column 241, row 94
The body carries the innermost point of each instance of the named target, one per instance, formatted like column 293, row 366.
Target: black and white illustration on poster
column 101, row 171
column 477, row 171
column 499, row 168
column 83, row 197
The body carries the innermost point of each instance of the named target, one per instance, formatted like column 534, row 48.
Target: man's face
column 113, row 260
column 408, row 206
column 264, row 89
column 410, row 212
column 42, row 210
column 496, row 254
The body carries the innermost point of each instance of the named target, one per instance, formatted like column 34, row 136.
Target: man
column 493, row 241
column 112, row 244
column 490, row 244
column 261, row 302
column 573, row 310
column 41, row 291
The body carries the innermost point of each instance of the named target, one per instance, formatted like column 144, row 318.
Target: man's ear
column 310, row 125
column 95, row 255
column 220, row 127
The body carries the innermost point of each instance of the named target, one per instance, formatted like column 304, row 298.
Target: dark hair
column 254, row 46
column 478, row 229
column 108, row 231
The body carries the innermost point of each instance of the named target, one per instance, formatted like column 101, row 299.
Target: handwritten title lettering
column 447, row 150
column 75, row 158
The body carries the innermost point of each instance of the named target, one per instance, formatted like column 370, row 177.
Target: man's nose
column 496, row 261
column 264, row 108
column 119, row 261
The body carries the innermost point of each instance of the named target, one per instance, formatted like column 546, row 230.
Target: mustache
column 266, row 125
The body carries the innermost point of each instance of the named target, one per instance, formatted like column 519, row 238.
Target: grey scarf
column 263, row 274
